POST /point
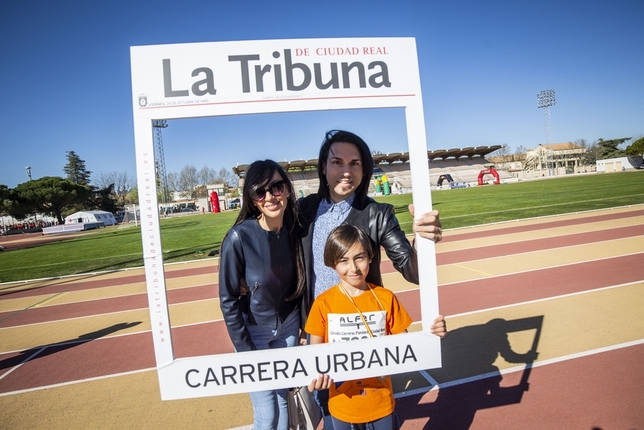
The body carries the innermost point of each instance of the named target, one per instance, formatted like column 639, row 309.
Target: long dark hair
column 335, row 136
column 259, row 175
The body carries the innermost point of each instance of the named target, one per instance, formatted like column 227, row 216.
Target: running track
column 545, row 319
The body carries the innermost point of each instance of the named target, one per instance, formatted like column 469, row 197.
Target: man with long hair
column 345, row 167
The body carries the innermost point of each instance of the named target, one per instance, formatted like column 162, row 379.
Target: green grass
column 183, row 237
column 488, row 204
column 116, row 248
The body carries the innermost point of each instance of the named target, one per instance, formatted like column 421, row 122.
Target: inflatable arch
column 445, row 177
column 491, row 171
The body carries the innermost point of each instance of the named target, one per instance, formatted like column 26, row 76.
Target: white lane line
column 78, row 381
column 81, row 276
column 74, row 341
column 104, row 314
column 545, row 299
column 432, row 382
column 527, row 255
column 98, row 299
column 459, row 264
column 22, row 362
column 397, row 292
column 434, row 386
column 527, row 271
column 519, row 368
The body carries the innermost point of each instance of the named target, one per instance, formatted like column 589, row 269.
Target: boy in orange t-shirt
column 355, row 309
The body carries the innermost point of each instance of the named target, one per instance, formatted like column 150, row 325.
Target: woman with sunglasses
column 261, row 278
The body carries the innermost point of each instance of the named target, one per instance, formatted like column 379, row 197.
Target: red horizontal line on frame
column 278, row 100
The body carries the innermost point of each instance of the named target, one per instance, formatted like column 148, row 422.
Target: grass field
column 194, row 236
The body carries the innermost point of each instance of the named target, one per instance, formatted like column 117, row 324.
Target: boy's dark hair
column 341, row 240
column 335, row 136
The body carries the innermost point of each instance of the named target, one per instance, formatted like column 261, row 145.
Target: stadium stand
column 463, row 165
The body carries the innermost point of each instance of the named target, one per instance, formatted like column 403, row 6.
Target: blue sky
column 65, row 76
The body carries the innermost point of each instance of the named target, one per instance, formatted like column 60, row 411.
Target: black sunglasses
column 276, row 189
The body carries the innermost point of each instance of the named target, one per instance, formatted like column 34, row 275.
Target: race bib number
column 346, row 327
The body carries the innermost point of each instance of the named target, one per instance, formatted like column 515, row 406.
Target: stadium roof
column 440, row 154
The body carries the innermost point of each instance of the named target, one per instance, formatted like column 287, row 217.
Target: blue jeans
column 390, row 422
column 322, row 399
column 270, row 410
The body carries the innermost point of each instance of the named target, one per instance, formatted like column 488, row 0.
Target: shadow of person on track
column 45, row 350
column 469, row 381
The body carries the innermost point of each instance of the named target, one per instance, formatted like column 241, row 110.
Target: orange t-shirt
column 335, row 318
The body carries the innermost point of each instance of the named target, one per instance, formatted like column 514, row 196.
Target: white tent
column 90, row 217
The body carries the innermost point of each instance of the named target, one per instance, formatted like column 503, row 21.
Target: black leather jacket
column 380, row 222
column 262, row 261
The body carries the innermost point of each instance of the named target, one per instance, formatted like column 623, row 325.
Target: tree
column 123, row 182
column 228, row 177
column 51, row 195
column 9, row 205
column 4, row 199
column 503, row 152
column 200, row 191
column 119, row 185
column 102, row 199
column 636, row 148
column 15, row 207
column 207, row 176
column 589, row 157
column 609, row 148
column 188, row 181
column 133, row 196
column 75, row 169
column 173, row 182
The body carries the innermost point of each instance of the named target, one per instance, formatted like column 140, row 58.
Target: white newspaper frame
column 268, row 76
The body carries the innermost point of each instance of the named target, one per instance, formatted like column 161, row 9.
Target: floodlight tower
column 545, row 99
column 159, row 158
